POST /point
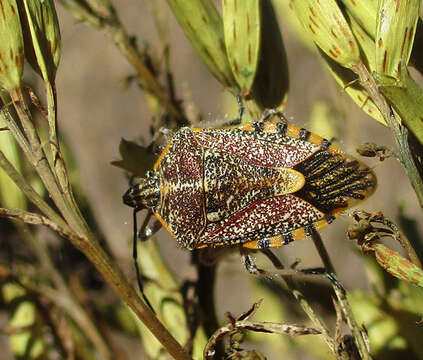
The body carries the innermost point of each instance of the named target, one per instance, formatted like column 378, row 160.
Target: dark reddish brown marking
column 385, row 61
column 404, row 41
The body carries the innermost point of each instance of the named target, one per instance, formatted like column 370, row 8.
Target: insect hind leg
column 251, row 267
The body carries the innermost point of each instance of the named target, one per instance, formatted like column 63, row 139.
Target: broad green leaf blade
column 242, row 23
column 395, row 30
column 203, row 26
column 11, row 46
column 271, row 84
column 364, row 12
column 326, row 25
column 347, row 80
column 406, row 97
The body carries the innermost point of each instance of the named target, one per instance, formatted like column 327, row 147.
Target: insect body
column 256, row 186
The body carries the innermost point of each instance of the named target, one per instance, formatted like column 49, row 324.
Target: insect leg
column 148, row 232
column 269, row 113
column 249, row 262
column 135, row 252
column 250, row 265
column 238, row 119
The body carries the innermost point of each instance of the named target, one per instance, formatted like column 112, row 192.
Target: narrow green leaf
column 242, row 23
column 347, row 80
column 395, row 30
column 325, row 23
column 42, row 36
column 203, row 26
column 11, row 46
column 365, row 42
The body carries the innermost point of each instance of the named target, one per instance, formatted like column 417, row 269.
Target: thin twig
column 32, row 195
column 242, row 322
column 291, row 286
column 117, row 33
column 37, row 219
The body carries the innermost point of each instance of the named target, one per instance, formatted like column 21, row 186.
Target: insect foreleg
column 135, row 252
column 147, row 232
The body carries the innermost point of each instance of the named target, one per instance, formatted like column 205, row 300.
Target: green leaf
column 364, row 13
column 11, row 46
column 42, row 37
column 242, row 23
column 347, row 80
column 365, row 41
column 10, row 195
column 202, row 24
column 395, row 30
column 406, row 97
column 326, row 25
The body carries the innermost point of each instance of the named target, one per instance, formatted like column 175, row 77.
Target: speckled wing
column 264, row 149
column 247, row 179
column 261, row 219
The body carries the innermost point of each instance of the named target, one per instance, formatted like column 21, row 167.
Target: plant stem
column 118, row 281
column 57, row 158
column 121, row 39
column 345, row 306
column 104, row 264
column 37, row 157
column 399, row 131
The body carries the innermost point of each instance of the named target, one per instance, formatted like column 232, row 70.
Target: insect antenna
column 135, row 253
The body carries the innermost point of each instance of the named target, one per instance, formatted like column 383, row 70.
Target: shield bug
column 256, row 186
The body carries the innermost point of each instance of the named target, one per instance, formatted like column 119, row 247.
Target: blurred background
column 96, row 112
